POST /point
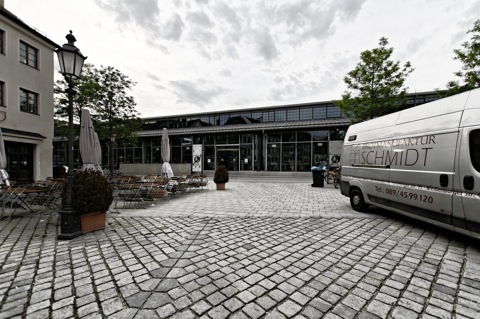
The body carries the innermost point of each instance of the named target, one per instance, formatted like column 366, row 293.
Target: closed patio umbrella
column 87, row 141
column 98, row 154
column 166, row 168
column 3, row 162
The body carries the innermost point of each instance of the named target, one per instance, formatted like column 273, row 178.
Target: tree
column 85, row 88
column 375, row 86
column 104, row 91
column 470, row 58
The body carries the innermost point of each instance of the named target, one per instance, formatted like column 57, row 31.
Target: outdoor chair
column 158, row 194
column 12, row 197
column 203, row 181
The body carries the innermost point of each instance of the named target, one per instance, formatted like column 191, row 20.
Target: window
column 28, row 101
column 475, row 149
column 274, row 137
column 293, row 115
column 288, row 137
column 257, row 116
column 28, row 55
column 268, row 116
column 319, row 113
column 280, row 115
column 2, row 43
column 306, row 113
column 333, row 111
column 2, row 94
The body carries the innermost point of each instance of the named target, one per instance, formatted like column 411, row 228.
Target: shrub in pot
column 92, row 195
column 221, row 177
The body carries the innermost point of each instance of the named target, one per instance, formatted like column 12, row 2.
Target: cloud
column 152, row 76
column 173, row 28
column 200, row 29
column 349, row 10
column 231, row 25
column 310, row 20
column 199, row 18
column 265, row 45
column 309, row 82
column 294, row 85
column 143, row 13
column 226, row 73
column 197, row 93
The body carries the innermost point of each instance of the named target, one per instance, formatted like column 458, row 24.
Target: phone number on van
column 405, row 194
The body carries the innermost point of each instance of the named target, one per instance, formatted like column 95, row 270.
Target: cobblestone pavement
column 256, row 250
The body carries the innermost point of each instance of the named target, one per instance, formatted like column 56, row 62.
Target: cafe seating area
column 42, row 197
column 45, row 197
column 142, row 191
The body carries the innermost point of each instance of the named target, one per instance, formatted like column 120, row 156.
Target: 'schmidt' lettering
column 379, row 157
column 406, row 157
column 411, row 154
column 399, row 152
column 389, row 160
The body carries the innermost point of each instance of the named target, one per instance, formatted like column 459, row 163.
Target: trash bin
column 318, row 178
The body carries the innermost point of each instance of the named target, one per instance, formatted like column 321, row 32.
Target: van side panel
column 407, row 171
column 412, row 165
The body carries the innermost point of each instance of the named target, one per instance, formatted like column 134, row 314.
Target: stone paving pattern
column 256, row 250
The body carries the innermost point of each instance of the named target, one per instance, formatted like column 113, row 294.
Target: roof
column 269, row 108
column 10, row 16
column 250, row 127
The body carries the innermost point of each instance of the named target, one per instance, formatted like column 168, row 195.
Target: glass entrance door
column 228, row 156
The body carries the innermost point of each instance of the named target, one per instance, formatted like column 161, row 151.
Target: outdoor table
column 20, row 195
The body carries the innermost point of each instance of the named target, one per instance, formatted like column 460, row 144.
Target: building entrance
column 228, row 155
column 19, row 161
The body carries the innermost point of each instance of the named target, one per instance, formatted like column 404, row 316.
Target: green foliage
column 91, row 192
column 375, row 86
column 221, row 175
column 104, row 91
column 470, row 58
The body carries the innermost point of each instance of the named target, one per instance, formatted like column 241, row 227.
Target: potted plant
column 221, row 177
column 92, row 195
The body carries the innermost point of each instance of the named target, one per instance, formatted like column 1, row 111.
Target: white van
column 423, row 162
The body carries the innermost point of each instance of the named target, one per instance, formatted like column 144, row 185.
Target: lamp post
column 111, row 155
column 71, row 62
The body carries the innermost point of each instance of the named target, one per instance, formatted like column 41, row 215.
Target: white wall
column 17, row 75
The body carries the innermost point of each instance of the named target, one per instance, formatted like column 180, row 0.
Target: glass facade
column 286, row 151
column 281, row 139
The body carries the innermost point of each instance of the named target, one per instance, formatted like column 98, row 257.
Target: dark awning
column 22, row 134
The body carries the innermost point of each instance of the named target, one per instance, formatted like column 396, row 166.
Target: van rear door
column 469, row 180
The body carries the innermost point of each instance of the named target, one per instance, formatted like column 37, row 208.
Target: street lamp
column 71, row 62
column 111, row 155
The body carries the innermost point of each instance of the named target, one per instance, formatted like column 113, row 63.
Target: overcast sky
column 190, row 56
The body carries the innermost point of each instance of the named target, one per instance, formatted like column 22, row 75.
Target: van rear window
column 475, row 149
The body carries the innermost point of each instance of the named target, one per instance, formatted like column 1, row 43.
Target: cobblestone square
column 256, row 250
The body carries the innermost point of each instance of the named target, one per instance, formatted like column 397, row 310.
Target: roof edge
column 12, row 17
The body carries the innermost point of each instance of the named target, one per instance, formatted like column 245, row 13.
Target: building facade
column 288, row 138
column 26, row 98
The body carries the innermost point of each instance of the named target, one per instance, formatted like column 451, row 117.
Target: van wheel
column 357, row 201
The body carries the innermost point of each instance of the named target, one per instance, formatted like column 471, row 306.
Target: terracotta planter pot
column 93, row 221
column 220, row 186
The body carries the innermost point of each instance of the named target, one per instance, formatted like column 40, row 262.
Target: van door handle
column 444, row 180
column 468, row 182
